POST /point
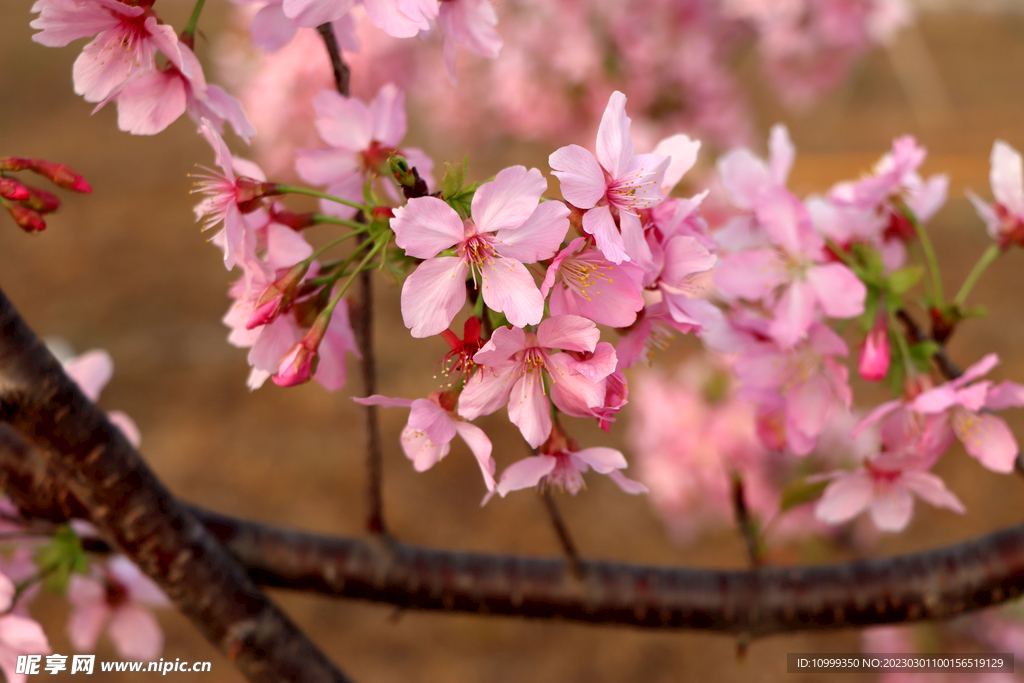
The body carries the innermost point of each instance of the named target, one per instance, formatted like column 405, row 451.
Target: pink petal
column 1007, row 177
column 633, row 242
column 471, row 23
column 422, row 450
column 528, row 408
column 505, row 343
column 433, row 420
column 384, row 401
column 91, row 371
column 85, row 624
column 793, row 314
column 271, row 29
column 338, row 341
column 386, row 15
column 845, row 498
column 580, row 176
column 388, row 112
column 599, row 223
column 598, row 367
column 343, row 122
column 603, row 460
column 936, row 400
column 127, row 426
column 525, row 473
column 61, row 23
column 780, row 154
column 750, row 275
column 932, row 489
column 569, row 333
column 136, row 633
column 149, row 103
column 508, row 287
column 433, row 294
column 312, row 13
column 684, row 256
column 614, row 145
column 1006, row 394
column 539, row 237
column 979, row 369
column 626, row 484
column 744, row 177
column 326, row 166
column 573, row 393
column 683, row 153
column 480, row 445
column 485, row 393
column 891, row 509
column 987, row 438
column 840, row 293
column 508, row 200
column 426, row 226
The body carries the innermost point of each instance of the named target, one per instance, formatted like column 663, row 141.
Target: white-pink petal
column 614, row 145
column 433, row 294
column 580, row 176
column 508, row 200
column 569, row 333
column 525, row 473
column 426, row 226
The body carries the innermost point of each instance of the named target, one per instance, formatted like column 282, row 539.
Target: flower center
column 633, row 192
column 581, row 273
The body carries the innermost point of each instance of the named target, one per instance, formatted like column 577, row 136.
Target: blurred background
column 127, row 269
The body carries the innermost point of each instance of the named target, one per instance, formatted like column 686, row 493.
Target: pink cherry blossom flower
column 681, row 273
column 562, row 464
column 961, row 402
column 794, row 276
column 654, row 329
column 228, row 197
column 616, row 184
column 517, row 363
column 805, row 382
column 1004, row 219
column 127, row 40
column 885, row 482
column 117, row 598
column 471, row 23
column 432, row 425
column 362, row 138
column 147, row 104
column 19, row 635
column 397, row 18
column 583, row 282
column 523, row 232
column 91, row 371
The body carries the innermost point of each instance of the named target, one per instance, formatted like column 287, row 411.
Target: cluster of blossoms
column 675, row 58
column 106, row 594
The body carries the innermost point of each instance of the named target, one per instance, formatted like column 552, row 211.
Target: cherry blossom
column 616, row 184
column 515, row 363
column 127, row 40
column 117, row 598
column 432, row 425
column 362, row 138
column 961, row 402
column 523, row 232
column 470, row 23
column 562, row 464
column 1004, row 219
column 583, row 282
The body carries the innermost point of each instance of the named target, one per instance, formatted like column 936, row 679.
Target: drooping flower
column 432, row 425
column 562, row 464
column 617, row 184
column 518, row 364
column 118, row 598
column 506, row 229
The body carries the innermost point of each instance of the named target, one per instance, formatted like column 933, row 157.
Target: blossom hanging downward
column 506, row 229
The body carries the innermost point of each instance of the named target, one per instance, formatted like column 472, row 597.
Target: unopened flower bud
column 59, row 174
column 299, row 364
column 277, row 296
column 295, row 221
column 27, row 219
column 41, row 200
column 12, row 189
column 874, row 354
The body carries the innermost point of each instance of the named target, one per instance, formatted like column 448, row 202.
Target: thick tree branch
column 134, row 510
column 930, row 585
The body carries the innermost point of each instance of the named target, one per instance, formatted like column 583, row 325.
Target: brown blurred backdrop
column 127, row 269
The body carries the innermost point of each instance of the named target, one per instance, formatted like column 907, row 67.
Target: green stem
column 901, row 344
column 990, row 255
column 341, row 265
column 334, row 220
column 316, row 254
column 294, row 189
column 929, row 256
column 351, row 278
column 193, row 21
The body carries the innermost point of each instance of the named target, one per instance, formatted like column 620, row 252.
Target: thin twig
column 942, row 361
column 562, row 531
column 364, row 334
column 745, row 522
